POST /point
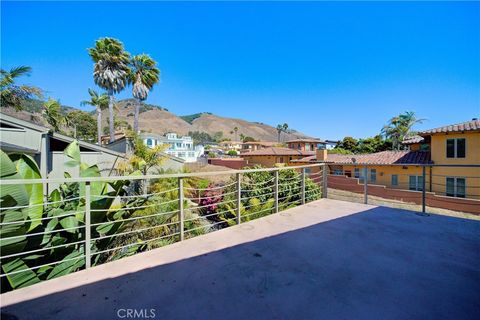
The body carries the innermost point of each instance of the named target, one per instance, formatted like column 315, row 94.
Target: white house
column 180, row 147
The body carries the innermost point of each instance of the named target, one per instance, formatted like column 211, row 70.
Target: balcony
column 324, row 258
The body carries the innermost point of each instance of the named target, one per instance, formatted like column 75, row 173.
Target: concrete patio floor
column 326, row 260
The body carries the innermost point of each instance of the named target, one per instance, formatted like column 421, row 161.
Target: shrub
column 232, row 153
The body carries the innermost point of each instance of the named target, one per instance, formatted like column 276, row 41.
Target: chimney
column 322, row 154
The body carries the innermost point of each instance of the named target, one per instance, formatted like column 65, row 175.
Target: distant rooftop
column 307, row 140
column 472, row 125
column 278, row 151
column 383, row 157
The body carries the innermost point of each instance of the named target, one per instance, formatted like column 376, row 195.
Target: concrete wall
column 233, row 163
column 270, row 161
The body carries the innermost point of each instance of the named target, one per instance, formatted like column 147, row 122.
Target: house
column 180, row 147
column 457, row 144
column 306, row 144
column 231, row 145
column 47, row 147
column 272, row 156
column 256, row 145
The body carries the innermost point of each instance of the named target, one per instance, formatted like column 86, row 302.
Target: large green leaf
column 72, row 151
column 67, row 267
column 21, row 279
column 28, row 169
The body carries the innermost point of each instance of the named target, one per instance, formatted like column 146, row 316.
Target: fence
column 426, row 188
column 92, row 220
column 88, row 221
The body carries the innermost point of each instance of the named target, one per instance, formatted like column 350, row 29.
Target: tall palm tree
column 110, row 70
column 285, row 127
column 12, row 95
column 100, row 102
column 235, row 130
column 279, row 131
column 144, row 74
column 52, row 114
column 400, row 127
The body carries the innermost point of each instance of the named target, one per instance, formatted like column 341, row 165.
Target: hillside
column 159, row 120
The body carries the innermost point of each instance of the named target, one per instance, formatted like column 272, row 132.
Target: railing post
column 239, row 198
column 276, row 190
column 424, row 175
column 181, row 217
column 88, row 229
column 365, row 185
column 303, row 185
column 324, row 181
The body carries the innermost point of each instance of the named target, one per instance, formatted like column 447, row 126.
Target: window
column 357, row 173
column 307, row 147
column 394, row 180
column 456, row 148
column 415, row 183
column 299, row 147
column 455, row 187
column 337, row 172
column 149, row 142
column 373, row 175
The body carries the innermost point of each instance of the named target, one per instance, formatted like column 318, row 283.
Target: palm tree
column 110, row 70
column 235, row 130
column 279, row 131
column 52, row 114
column 12, row 95
column 100, row 102
column 285, row 127
column 144, row 75
column 400, row 127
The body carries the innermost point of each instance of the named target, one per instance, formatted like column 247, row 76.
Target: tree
column 242, row 137
column 373, row 144
column 400, row 127
column 285, row 127
column 110, row 71
column 52, row 114
column 279, row 131
column 349, row 144
column 144, row 74
column 100, row 102
column 235, row 130
column 12, row 95
column 84, row 125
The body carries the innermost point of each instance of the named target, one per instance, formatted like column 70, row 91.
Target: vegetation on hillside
column 191, row 117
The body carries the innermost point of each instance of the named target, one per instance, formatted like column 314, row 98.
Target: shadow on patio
column 380, row 263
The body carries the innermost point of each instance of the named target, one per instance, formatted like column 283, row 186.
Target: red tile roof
column 412, row 139
column 384, row 157
column 306, row 140
column 472, row 125
column 277, row 151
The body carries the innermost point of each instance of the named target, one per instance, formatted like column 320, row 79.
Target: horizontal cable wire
column 136, row 218
column 139, row 207
column 135, row 244
column 43, row 265
column 212, row 196
column 42, row 249
column 212, row 188
column 41, row 204
column 135, row 195
column 256, row 196
column 136, row 231
column 258, row 183
column 42, row 233
column 208, row 226
column 40, row 219
column 209, row 215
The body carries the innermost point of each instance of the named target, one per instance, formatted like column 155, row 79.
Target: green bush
column 232, row 153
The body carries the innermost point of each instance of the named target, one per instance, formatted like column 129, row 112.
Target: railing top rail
column 360, row 164
column 148, row 177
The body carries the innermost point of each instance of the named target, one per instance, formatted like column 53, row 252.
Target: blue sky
column 327, row 69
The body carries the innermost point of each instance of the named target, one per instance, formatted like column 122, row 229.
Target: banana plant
column 55, row 230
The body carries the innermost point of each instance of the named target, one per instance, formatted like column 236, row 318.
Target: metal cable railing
column 92, row 227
